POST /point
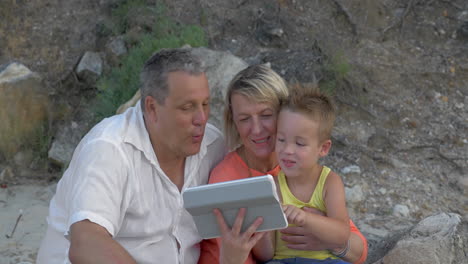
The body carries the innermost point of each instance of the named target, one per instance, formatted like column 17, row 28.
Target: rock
column 373, row 233
column 115, row 49
column 269, row 32
column 23, row 108
column 354, row 195
column 24, row 158
column 355, row 131
column 437, row 239
column 6, row 175
column 351, row 169
column 89, row 68
column 221, row 68
column 463, row 182
column 463, row 16
column 382, row 191
column 66, row 140
column 401, row 210
column 462, row 31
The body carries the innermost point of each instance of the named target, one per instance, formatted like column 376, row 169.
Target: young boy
column 303, row 136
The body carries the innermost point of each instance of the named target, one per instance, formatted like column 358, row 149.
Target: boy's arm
column 337, row 213
column 264, row 250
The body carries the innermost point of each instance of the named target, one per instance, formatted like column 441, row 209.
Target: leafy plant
column 335, row 71
column 121, row 12
column 121, row 83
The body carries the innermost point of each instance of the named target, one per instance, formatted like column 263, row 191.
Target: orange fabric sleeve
column 209, row 251
column 355, row 230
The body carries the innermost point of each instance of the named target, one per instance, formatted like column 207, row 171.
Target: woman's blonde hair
column 258, row 83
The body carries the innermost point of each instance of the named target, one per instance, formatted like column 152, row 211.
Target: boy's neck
column 303, row 186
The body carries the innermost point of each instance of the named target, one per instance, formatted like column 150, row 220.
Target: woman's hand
column 236, row 246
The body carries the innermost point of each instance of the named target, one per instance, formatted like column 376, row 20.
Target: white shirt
column 114, row 180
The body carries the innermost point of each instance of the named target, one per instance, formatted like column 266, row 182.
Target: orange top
column 231, row 168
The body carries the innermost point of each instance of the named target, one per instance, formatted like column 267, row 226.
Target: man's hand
column 91, row 243
column 236, row 246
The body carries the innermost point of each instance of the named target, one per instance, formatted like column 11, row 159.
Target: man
column 120, row 199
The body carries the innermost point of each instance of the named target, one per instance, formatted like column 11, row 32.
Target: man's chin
column 195, row 148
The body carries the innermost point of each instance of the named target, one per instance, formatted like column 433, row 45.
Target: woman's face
column 256, row 124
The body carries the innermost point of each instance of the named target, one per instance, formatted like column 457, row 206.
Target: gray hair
column 154, row 75
column 260, row 84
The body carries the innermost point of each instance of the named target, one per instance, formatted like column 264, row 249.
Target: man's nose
column 200, row 117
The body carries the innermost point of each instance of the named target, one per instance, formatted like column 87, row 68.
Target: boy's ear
column 325, row 148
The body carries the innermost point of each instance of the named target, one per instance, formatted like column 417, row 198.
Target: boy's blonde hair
column 310, row 101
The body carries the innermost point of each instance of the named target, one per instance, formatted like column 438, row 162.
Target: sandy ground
column 31, row 201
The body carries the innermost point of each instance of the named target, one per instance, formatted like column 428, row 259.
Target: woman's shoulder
column 230, row 168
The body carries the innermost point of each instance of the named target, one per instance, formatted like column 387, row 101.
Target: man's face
column 181, row 120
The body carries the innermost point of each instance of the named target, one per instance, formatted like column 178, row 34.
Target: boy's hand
column 295, row 215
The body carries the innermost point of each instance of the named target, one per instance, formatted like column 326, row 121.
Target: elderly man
column 120, row 199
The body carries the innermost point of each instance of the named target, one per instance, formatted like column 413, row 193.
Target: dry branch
column 399, row 22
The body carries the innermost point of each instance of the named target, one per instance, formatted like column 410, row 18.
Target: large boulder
column 438, row 239
column 23, row 109
column 221, row 68
column 67, row 138
column 89, row 68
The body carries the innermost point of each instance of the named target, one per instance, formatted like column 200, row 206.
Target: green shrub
column 120, row 14
column 335, row 71
column 121, row 83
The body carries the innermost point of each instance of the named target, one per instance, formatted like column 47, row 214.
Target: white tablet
column 257, row 194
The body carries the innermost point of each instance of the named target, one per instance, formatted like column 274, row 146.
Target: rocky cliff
column 398, row 69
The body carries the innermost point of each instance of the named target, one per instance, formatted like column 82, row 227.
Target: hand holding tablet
column 258, row 195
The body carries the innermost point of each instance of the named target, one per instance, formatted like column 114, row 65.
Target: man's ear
column 325, row 148
column 151, row 107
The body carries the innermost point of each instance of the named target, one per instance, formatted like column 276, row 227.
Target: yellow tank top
column 316, row 201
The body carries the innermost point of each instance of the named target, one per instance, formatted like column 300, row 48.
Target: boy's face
column 297, row 143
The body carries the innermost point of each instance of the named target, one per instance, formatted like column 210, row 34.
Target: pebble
column 401, row 210
column 354, row 194
column 351, row 169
